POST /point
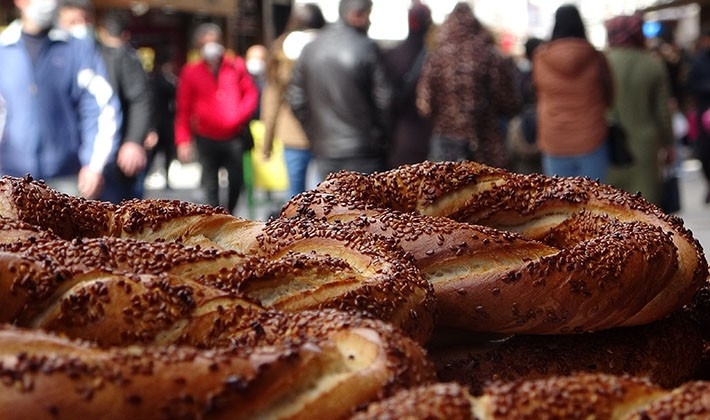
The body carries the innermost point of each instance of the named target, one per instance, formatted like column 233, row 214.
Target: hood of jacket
column 567, row 57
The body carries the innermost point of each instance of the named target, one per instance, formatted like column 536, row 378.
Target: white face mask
column 41, row 12
column 80, row 31
column 212, row 51
column 256, row 66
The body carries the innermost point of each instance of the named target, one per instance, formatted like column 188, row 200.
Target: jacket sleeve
column 99, row 111
column 183, row 107
column 607, row 80
column 271, row 100
column 424, row 86
column 698, row 83
column 249, row 93
column 296, row 92
column 382, row 92
column 662, row 97
column 136, row 95
column 508, row 98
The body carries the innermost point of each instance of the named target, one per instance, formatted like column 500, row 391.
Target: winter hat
column 625, row 31
column 419, row 17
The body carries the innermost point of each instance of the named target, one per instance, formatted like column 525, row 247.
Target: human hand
column 266, row 153
column 151, row 140
column 90, row 183
column 184, row 152
column 131, row 158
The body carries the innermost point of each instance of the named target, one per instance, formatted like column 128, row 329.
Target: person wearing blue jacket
column 58, row 113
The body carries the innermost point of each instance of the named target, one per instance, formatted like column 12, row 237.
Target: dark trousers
column 213, row 155
column 118, row 186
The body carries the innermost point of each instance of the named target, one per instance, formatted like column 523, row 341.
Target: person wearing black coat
column 129, row 80
column 404, row 62
column 340, row 93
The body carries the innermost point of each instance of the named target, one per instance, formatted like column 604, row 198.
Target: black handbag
column 670, row 192
column 619, row 154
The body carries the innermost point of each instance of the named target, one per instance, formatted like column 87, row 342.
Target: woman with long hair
column 276, row 114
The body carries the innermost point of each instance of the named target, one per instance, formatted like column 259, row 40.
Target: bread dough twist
column 511, row 253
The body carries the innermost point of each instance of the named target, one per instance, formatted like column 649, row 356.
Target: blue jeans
column 296, row 166
column 593, row 165
column 117, row 186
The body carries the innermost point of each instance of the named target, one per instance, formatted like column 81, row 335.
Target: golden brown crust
column 567, row 397
column 395, row 285
column 121, row 291
column 441, row 401
column 667, row 352
column 688, row 401
column 581, row 396
column 67, row 217
column 268, row 327
column 188, row 223
column 502, row 252
column 16, row 232
column 44, row 376
column 283, row 265
column 610, row 259
column 93, row 281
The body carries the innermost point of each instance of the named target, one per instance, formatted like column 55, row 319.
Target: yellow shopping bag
column 268, row 175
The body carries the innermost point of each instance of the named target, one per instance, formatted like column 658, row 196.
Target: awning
column 660, row 5
column 211, row 7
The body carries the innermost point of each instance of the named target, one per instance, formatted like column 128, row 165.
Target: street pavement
column 694, row 211
column 184, row 180
column 185, row 186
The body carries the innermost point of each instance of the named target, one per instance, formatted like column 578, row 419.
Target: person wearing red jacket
column 216, row 97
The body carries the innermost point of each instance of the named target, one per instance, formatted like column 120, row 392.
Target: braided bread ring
column 291, row 266
column 288, row 371
column 120, row 291
column 610, row 258
column 580, row 396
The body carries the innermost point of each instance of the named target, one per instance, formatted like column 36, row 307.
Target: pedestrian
column 340, row 93
column 130, row 82
column 574, row 90
column 279, row 122
column 411, row 131
column 466, row 87
column 524, row 155
column 642, row 106
column 215, row 100
column 163, row 83
column 60, row 113
column 698, row 86
column 255, row 59
column 77, row 17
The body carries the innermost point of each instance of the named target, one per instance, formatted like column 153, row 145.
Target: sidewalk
column 694, row 212
column 185, row 179
column 185, row 186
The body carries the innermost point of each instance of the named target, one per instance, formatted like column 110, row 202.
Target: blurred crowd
column 79, row 110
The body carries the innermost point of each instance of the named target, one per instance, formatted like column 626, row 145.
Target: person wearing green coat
column 641, row 107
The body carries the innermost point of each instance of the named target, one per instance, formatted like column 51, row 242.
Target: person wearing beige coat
column 279, row 121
